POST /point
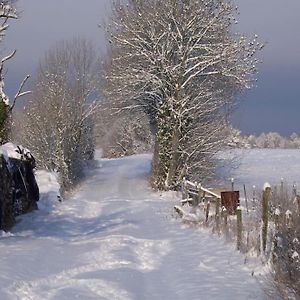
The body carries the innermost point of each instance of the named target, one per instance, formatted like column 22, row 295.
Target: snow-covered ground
column 257, row 166
column 116, row 239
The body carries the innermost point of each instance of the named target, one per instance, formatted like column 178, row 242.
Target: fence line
column 270, row 227
column 223, row 220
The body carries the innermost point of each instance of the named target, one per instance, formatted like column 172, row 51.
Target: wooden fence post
column 246, row 199
column 281, row 187
column 184, row 189
column 225, row 217
column 265, row 215
column 254, row 197
column 195, row 197
column 218, row 204
column 239, row 228
column 207, row 211
column 204, row 202
column 294, row 190
column 298, row 202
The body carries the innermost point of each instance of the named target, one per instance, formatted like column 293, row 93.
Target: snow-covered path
column 116, row 239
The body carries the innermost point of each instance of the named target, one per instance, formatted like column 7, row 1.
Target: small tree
column 180, row 63
column 59, row 114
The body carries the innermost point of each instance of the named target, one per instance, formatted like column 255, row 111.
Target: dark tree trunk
column 175, row 159
column 166, row 157
column 4, row 122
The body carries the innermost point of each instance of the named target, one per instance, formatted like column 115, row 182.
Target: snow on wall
column 9, row 150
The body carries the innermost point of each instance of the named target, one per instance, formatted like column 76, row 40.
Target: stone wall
column 19, row 191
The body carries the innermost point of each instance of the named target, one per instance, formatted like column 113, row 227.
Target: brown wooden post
column 217, row 217
column 225, row 216
column 265, row 215
column 207, row 211
column 183, row 189
column 195, row 197
column 294, row 190
column 239, row 228
column 298, row 202
column 253, row 197
column 246, row 199
column 281, row 187
column 203, row 197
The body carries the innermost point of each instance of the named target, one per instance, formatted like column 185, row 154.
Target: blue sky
column 273, row 105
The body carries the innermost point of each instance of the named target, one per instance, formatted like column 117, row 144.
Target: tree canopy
column 181, row 63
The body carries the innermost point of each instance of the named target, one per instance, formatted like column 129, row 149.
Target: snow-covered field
column 116, row 239
column 257, row 166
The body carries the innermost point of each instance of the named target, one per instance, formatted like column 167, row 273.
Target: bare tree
column 58, row 125
column 179, row 62
column 7, row 12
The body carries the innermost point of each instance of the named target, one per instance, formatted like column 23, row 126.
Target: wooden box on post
column 230, row 200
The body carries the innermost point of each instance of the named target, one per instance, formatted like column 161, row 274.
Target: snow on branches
column 58, row 116
column 179, row 62
column 7, row 12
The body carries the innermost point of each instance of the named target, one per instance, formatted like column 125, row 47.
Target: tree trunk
column 157, row 173
column 171, row 176
column 162, row 150
column 4, row 122
column 166, row 156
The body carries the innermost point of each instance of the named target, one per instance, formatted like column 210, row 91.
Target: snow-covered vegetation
column 269, row 140
column 57, row 122
column 179, row 62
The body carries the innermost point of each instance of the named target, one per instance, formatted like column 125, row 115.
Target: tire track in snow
column 115, row 252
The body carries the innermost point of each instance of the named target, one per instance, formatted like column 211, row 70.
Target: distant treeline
column 270, row 140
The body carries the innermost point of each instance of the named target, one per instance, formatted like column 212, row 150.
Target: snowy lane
column 116, row 239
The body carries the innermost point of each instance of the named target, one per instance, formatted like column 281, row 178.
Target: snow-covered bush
column 57, row 124
column 271, row 140
column 286, row 244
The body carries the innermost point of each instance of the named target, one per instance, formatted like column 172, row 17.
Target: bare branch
column 19, row 93
column 11, row 55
